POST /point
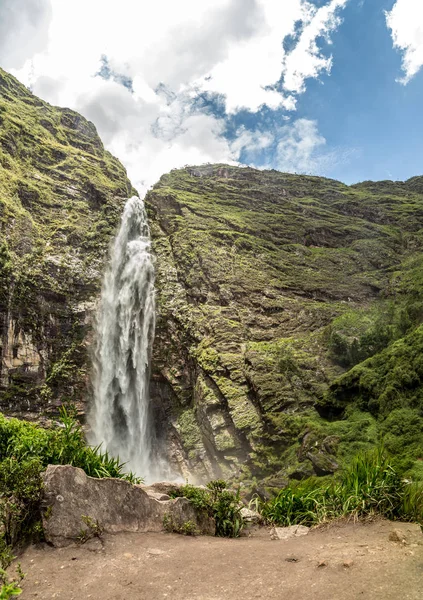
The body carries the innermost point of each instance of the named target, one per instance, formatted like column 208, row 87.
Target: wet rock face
column 269, row 287
column 71, row 498
column 61, row 196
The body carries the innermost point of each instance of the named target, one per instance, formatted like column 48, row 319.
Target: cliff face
column 61, row 195
column 270, row 287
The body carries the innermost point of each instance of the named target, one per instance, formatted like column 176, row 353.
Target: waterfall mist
column 121, row 416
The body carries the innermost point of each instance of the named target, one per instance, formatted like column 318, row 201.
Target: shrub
column 187, row 528
column 9, row 588
column 25, row 451
column 225, row 508
column 20, row 497
column 219, row 503
column 63, row 444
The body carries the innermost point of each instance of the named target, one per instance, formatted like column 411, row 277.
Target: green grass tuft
column 369, row 486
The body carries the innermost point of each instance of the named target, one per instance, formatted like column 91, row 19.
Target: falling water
column 120, row 418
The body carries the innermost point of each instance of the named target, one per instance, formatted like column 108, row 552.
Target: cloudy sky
column 330, row 87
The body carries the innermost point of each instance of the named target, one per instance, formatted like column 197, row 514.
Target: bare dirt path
column 356, row 562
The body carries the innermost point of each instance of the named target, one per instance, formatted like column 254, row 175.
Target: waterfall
column 120, row 419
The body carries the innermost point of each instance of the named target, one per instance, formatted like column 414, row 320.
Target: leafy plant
column 94, row 529
column 20, row 497
column 187, row 528
column 63, row 444
column 219, row 503
column 10, row 588
column 225, row 509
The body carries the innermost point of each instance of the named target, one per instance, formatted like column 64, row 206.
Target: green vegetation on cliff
column 61, row 196
column 289, row 311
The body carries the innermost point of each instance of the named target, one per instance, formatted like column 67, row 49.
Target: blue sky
column 367, row 117
column 361, row 106
column 327, row 87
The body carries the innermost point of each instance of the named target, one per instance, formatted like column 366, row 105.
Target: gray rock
column 162, row 487
column 286, row 533
column 115, row 504
column 251, row 516
column 157, row 495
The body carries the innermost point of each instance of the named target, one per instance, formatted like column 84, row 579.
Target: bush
column 25, row 451
column 369, row 486
column 61, row 445
column 20, row 497
column 9, row 587
column 219, row 503
column 187, row 528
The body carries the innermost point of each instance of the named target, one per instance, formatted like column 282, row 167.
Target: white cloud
column 24, row 28
column 405, row 21
column 295, row 147
column 298, row 148
column 251, row 69
column 174, row 52
column 307, row 60
column 302, row 149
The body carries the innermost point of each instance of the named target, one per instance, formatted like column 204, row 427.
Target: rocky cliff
column 61, row 196
column 289, row 328
column 280, row 298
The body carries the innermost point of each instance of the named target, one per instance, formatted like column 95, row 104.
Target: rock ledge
column 117, row 505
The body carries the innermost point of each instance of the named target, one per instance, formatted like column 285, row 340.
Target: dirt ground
column 342, row 562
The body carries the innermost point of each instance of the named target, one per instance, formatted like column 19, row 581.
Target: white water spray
column 120, row 419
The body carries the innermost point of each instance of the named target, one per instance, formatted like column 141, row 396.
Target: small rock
column 251, row 516
column 397, row 536
column 158, row 495
column 322, row 563
column 155, row 551
column 285, row 533
column 348, row 563
column 292, row 559
column 94, row 545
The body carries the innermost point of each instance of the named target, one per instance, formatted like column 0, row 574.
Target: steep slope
column 61, row 195
column 270, row 286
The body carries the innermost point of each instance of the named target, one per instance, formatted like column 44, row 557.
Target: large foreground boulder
column 71, row 498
